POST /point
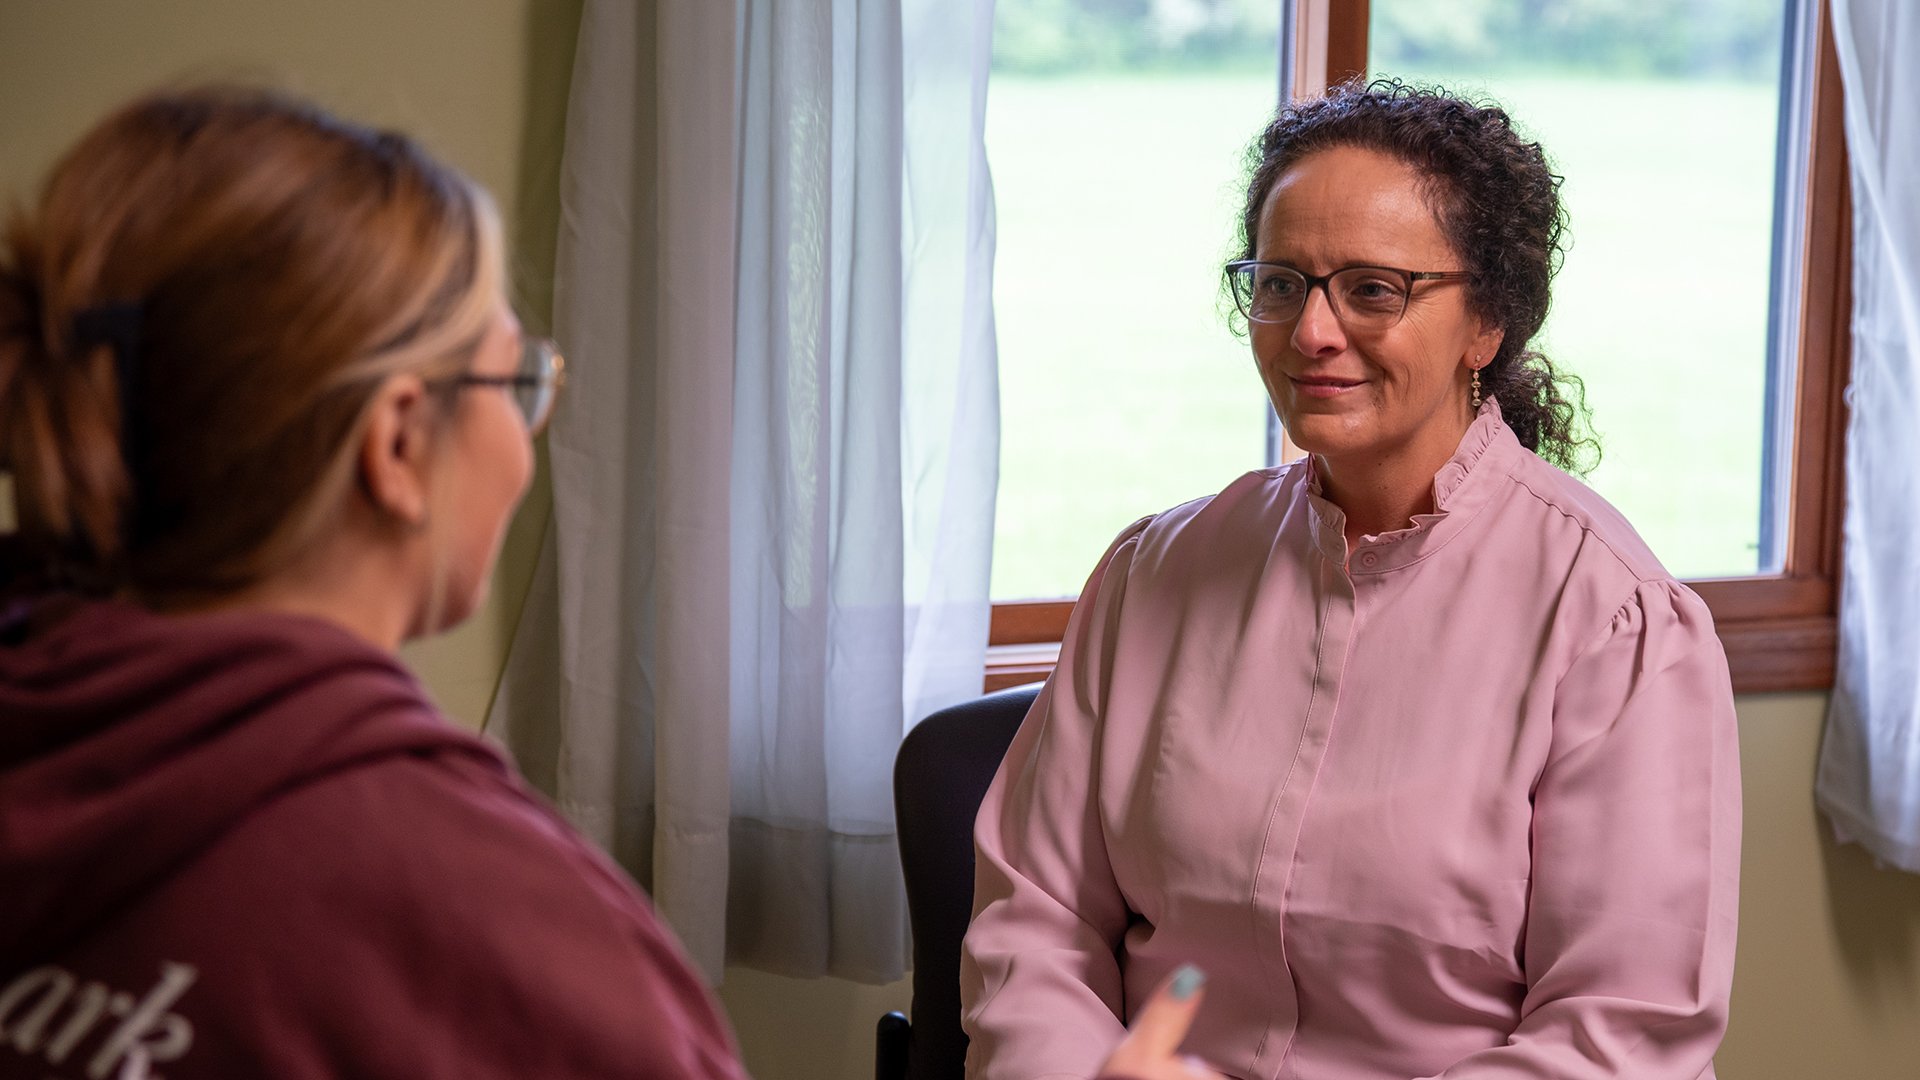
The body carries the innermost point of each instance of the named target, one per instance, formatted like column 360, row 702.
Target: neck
column 1380, row 493
column 364, row 594
column 377, row 624
column 1377, row 499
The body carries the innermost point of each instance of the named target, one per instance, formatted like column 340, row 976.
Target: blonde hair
column 276, row 264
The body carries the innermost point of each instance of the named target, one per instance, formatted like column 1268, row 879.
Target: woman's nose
column 1317, row 332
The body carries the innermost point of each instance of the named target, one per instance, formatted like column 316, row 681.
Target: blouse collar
column 1461, row 487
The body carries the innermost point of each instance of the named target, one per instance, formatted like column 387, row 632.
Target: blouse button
column 1369, row 560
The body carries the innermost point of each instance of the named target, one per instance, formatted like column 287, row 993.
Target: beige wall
column 1828, row 983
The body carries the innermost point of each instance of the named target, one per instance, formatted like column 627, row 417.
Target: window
column 1117, row 144
column 1764, row 550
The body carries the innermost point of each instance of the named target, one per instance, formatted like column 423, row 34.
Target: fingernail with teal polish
column 1186, row 982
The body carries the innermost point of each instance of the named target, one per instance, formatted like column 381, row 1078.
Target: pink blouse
column 1464, row 805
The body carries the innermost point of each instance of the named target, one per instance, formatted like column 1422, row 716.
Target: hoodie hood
column 130, row 742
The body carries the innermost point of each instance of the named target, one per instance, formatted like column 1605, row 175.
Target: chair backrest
column 939, row 777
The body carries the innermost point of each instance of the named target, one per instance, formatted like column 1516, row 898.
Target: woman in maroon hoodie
column 266, row 416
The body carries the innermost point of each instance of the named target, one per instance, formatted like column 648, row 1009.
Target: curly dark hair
column 1497, row 200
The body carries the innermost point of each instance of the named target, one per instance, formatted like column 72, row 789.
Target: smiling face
column 1392, row 399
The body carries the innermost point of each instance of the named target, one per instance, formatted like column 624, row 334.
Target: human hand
column 1151, row 1050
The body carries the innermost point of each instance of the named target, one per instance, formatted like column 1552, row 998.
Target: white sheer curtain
column 1869, row 774
column 775, row 467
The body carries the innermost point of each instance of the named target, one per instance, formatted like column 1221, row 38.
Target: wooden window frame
column 1779, row 629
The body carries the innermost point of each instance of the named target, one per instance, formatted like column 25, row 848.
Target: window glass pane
column 1116, row 131
column 1664, row 119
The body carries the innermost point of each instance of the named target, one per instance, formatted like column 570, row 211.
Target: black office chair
column 939, row 777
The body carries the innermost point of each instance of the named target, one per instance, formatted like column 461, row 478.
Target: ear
column 1484, row 346
column 394, row 450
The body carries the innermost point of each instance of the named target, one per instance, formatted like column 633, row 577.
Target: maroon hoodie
column 248, row 845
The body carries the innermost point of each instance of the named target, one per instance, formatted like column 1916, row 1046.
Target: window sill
column 1017, row 665
column 1765, row 654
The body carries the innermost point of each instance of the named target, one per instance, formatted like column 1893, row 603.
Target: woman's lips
column 1324, row 386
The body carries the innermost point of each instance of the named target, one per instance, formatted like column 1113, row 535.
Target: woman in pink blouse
column 1411, row 744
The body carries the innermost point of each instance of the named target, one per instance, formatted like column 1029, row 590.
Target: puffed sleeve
column 1636, row 858
column 1039, row 980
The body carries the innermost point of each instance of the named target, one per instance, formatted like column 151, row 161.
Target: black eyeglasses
column 1362, row 297
column 543, row 371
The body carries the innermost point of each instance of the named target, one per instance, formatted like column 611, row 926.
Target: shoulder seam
column 1586, row 526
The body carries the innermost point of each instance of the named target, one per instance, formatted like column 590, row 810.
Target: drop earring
column 1474, row 386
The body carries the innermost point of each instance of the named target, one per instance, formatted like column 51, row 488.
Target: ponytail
column 60, row 440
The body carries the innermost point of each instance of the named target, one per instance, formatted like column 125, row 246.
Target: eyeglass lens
column 1363, row 296
column 534, row 393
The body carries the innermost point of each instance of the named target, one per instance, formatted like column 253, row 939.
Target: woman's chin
column 454, row 608
column 460, row 608
column 1328, row 436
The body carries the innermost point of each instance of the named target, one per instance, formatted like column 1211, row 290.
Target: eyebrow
column 1355, row 265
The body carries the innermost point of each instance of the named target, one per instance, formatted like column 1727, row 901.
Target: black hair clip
column 116, row 325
